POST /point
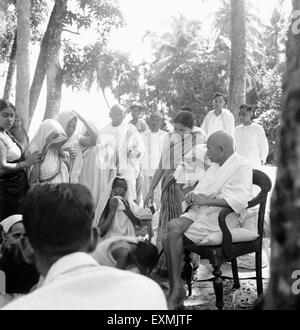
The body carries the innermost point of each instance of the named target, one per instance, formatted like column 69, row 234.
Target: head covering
column 65, row 117
column 48, row 127
column 104, row 199
column 10, row 221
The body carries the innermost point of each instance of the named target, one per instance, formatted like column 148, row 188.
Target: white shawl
column 76, row 167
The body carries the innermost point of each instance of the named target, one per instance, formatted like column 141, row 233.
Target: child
column 117, row 218
column 128, row 253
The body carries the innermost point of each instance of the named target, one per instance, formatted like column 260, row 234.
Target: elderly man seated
column 228, row 182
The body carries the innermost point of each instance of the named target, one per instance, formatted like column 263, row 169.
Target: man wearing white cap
column 20, row 276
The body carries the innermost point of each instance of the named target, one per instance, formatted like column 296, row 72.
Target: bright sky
column 142, row 15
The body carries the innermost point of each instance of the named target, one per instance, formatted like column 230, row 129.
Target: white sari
column 76, row 167
column 122, row 225
column 52, row 169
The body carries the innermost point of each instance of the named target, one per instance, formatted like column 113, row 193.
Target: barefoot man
column 228, row 182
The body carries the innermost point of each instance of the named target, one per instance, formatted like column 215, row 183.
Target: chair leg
column 235, row 274
column 259, row 281
column 188, row 270
column 218, row 287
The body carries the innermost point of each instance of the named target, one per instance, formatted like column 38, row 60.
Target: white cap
column 10, row 221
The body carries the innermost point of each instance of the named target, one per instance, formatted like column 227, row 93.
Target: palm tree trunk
column 238, row 67
column 11, row 71
column 23, row 54
column 283, row 291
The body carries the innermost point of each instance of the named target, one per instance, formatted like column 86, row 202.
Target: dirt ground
column 203, row 296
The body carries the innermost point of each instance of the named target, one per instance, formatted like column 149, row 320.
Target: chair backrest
column 261, row 180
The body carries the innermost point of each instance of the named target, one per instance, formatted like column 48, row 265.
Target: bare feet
column 176, row 298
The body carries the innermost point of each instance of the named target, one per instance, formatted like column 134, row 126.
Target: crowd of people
column 70, row 203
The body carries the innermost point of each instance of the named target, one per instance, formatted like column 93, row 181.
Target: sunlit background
column 140, row 16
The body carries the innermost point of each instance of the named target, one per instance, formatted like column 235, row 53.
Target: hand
column 34, row 158
column 149, row 198
column 190, row 198
column 200, row 200
column 73, row 154
column 113, row 204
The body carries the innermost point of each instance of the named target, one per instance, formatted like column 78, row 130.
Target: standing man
column 250, row 138
column 142, row 127
column 219, row 119
column 136, row 121
column 153, row 140
column 120, row 148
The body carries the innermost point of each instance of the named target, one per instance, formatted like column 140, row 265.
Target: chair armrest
column 227, row 237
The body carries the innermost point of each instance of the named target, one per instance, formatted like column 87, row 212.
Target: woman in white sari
column 49, row 140
column 76, row 143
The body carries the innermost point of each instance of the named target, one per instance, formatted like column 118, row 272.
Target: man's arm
column 106, row 223
column 201, row 200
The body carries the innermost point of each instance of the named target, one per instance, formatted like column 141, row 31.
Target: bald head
column 220, row 146
column 117, row 115
column 222, row 138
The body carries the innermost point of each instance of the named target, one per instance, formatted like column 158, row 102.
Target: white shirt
column 251, row 142
column 77, row 282
column 153, row 148
column 223, row 122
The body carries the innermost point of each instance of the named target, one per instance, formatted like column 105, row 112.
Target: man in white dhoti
column 228, row 182
column 250, row 138
column 219, row 119
column 58, row 223
column 120, row 148
column 154, row 141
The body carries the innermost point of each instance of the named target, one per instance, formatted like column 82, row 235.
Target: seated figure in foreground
column 127, row 253
column 228, row 182
column 58, row 223
column 114, row 215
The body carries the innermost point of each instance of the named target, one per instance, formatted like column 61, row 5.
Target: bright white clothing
column 122, row 225
column 78, row 282
column 103, row 253
column 153, row 148
column 251, row 142
column 232, row 182
column 140, row 125
column 224, row 122
column 119, row 151
column 13, row 151
column 73, row 143
column 52, row 168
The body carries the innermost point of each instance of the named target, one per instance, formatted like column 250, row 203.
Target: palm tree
column 238, row 67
